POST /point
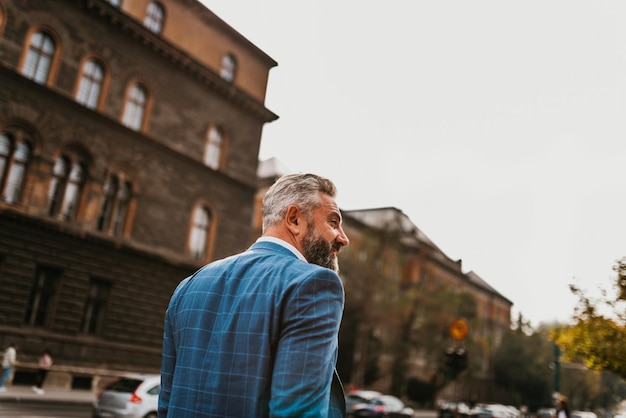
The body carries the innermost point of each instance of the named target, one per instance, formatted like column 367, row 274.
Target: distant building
column 129, row 139
column 392, row 263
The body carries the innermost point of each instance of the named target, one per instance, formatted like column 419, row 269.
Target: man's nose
column 342, row 238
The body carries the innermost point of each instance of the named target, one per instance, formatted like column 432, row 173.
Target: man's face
column 324, row 237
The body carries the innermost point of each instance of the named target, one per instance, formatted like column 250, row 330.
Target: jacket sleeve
column 168, row 362
column 307, row 348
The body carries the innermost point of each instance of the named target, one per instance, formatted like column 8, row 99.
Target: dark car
column 381, row 406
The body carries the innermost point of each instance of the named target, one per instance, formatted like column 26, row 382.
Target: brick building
column 397, row 281
column 129, row 139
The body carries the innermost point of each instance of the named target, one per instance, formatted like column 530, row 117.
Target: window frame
column 129, row 114
column 53, row 67
column 10, row 165
column 113, row 204
column 66, row 192
column 83, row 79
column 210, row 148
column 154, row 20
column 46, row 282
column 98, row 298
column 209, row 233
column 228, row 69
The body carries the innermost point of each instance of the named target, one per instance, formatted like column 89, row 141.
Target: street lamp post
column 556, row 372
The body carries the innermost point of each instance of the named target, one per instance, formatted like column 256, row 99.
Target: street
column 67, row 410
column 425, row 414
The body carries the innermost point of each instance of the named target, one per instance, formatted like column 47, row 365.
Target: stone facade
column 90, row 279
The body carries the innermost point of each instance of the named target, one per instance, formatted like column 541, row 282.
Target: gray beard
column 317, row 251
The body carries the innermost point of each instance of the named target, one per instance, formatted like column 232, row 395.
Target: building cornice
column 211, row 19
column 180, row 58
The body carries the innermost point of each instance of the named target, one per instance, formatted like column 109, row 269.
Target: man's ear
column 293, row 220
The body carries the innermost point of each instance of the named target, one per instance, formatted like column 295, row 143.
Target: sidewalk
column 26, row 394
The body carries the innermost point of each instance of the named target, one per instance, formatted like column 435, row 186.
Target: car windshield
column 125, row 385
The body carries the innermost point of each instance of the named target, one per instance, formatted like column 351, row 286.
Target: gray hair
column 300, row 189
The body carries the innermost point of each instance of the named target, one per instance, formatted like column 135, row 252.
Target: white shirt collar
column 282, row 243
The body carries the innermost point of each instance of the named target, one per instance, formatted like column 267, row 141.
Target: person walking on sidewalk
column 45, row 362
column 8, row 362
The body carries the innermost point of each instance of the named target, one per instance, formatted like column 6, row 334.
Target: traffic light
column 455, row 362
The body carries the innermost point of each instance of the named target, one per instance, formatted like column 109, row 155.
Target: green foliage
column 521, row 366
column 595, row 339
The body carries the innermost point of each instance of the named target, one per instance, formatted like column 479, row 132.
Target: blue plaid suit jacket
column 253, row 335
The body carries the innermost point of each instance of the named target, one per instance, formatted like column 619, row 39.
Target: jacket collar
column 274, row 243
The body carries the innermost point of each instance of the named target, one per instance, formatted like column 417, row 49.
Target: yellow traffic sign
column 459, row 329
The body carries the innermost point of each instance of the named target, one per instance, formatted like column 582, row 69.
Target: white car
column 129, row 397
column 583, row 414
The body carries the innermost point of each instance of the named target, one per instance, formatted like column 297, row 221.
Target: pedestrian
column 8, row 362
column 255, row 334
column 562, row 408
column 45, row 362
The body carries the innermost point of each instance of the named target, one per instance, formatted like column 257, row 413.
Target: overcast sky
column 498, row 127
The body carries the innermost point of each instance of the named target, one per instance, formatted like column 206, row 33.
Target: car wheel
column 151, row 415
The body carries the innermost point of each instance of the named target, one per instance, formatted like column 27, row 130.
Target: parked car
column 546, row 412
column 129, row 397
column 583, row 414
column 478, row 411
column 503, row 411
column 358, row 397
column 382, row 406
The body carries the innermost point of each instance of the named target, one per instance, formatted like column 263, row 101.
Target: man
column 8, row 362
column 255, row 334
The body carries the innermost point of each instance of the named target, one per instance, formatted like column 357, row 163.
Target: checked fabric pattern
column 253, row 335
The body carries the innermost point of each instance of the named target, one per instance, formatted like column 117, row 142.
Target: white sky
column 498, row 127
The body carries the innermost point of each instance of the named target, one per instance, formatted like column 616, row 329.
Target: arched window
column 229, row 67
column 123, row 201
column 57, row 185
column 72, row 192
column 214, row 148
column 115, row 204
column 108, row 202
column 39, row 57
column 135, row 107
column 65, row 188
column 90, row 85
column 154, row 17
column 199, row 236
column 14, row 158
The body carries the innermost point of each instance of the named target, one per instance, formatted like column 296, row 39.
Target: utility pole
column 556, row 372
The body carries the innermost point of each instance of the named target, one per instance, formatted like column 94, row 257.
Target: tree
column 372, row 302
column 521, row 366
column 596, row 339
